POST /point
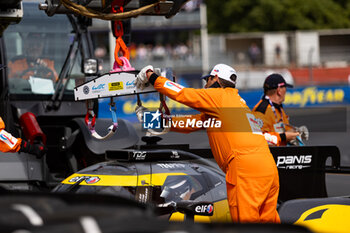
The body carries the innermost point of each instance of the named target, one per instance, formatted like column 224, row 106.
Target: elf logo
column 92, row 180
column 294, row 161
column 204, row 209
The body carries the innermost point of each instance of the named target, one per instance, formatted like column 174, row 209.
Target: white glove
column 304, row 132
column 141, row 78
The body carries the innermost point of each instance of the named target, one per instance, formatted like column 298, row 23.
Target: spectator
column 254, row 53
column 278, row 60
column 132, row 50
column 100, row 52
column 141, row 52
column 158, row 52
column 181, row 51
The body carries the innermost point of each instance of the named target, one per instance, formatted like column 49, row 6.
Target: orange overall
column 238, row 146
column 8, row 143
column 275, row 122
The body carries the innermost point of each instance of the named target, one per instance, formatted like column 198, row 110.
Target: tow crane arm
column 120, row 80
column 101, row 8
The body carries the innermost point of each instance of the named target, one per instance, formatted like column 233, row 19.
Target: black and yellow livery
column 321, row 215
column 159, row 177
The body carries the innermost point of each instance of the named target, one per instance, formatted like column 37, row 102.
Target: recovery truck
column 38, row 103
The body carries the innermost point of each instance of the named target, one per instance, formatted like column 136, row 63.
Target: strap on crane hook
column 91, row 124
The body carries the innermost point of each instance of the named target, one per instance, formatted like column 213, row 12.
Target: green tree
column 276, row 15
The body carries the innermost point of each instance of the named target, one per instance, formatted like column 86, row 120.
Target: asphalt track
column 327, row 126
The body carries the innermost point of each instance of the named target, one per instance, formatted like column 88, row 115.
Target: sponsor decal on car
column 175, row 155
column 77, row 178
column 87, row 179
column 139, row 155
column 204, row 209
column 92, row 180
column 171, row 165
column 294, row 161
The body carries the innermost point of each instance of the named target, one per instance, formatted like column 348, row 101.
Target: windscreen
column 36, row 50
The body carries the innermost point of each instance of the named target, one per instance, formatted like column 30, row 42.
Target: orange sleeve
column 2, row 124
column 187, row 128
column 287, row 125
column 267, row 121
column 8, row 143
column 273, row 138
column 17, row 67
column 199, row 99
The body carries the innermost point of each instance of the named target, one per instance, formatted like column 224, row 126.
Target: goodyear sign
column 295, row 97
column 317, row 96
column 306, row 97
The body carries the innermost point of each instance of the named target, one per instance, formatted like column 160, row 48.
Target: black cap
column 273, row 81
column 205, row 77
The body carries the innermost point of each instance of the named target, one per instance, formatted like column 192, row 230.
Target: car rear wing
column 302, row 170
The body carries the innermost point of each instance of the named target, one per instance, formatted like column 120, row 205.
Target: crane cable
column 90, row 13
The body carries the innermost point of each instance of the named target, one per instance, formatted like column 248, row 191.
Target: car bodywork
column 160, row 177
column 318, row 214
column 135, row 173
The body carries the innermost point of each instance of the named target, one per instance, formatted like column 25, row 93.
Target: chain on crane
column 120, row 64
column 90, row 13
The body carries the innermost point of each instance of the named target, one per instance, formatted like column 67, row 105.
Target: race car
column 166, row 178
